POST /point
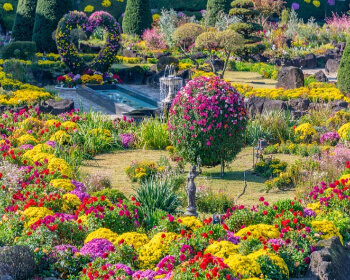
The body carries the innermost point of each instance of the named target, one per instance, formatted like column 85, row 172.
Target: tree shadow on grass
column 234, row 176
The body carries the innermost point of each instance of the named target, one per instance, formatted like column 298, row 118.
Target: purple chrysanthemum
column 96, row 248
column 79, row 186
column 295, row 6
column 26, row 147
column 65, row 247
column 81, row 195
column 124, row 267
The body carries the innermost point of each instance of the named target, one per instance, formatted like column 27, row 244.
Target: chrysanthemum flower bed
column 78, row 235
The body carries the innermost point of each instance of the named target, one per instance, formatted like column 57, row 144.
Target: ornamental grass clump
column 207, row 121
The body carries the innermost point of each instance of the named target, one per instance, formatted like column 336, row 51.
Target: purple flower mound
column 295, row 6
column 26, row 147
column 276, row 241
column 96, row 248
column 148, row 274
column 231, row 238
column 65, row 247
column 127, row 140
column 51, row 144
column 124, row 267
column 309, row 213
column 65, row 217
column 79, row 186
column 331, row 2
column 80, row 195
column 330, row 137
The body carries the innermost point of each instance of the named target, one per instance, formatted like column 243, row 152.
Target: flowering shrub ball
column 207, row 120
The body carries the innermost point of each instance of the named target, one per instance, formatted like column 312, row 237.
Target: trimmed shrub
column 214, row 7
column 344, row 69
column 22, row 50
column 138, row 17
column 47, row 15
column 24, row 22
column 7, row 16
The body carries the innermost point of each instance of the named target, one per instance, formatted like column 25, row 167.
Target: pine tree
column 138, row 17
column 343, row 81
column 244, row 9
column 47, row 15
column 214, row 7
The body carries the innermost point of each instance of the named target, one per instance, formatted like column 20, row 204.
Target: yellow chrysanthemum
column 104, row 233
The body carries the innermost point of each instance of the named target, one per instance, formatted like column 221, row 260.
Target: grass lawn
column 251, row 78
column 113, row 165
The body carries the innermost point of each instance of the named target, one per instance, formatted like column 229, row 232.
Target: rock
column 321, row 76
column 274, row 105
column 298, row 62
column 332, row 66
column 296, row 114
column 259, row 58
column 298, row 104
column 161, row 54
column 311, row 61
column 321, row 61
column 330, row 261
column 130, row 53
column 17, row 262
column 338, row 105
column 167, row 60
column 153, row 80
column 329, row 54
column 134, row 75
column 184, row 74
column 57, row 107
column 290, row 78
column 255, row 105
column 199, row 55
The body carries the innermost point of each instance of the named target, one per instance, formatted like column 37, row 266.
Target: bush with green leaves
column 138, row 17
column 24, row 22
column 47, row 15
column 207, row 121
column 153, row 134
column 212, row 201
column 113, row 195
column 21, row 50
column 215, row 7
column 343, row 71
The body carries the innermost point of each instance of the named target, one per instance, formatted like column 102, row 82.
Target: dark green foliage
column 138, row 17
column 7, row 18
column 180, row 5
column 244, row 9
column 215, row 7
column 167, row 60
column 21, row 50
column 47, row 15
column 344, row 69
column 116, row 9
column 24, row 22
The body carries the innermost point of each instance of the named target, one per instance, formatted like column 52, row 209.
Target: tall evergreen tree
column 214, row 7
column 47, row 15
column 24, row 22
column 343, row 81
column 138, row 16
column 244, row 9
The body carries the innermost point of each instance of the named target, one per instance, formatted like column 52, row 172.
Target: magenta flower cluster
column 330, row 138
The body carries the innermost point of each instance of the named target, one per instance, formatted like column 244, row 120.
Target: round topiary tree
column 47, row 15
column 207, row 120
column 344, row 69
column 244, row 9
column 138, row 17
column 24, row 22
column 214, row 7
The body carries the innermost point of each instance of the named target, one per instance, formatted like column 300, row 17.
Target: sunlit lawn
column 113, row 165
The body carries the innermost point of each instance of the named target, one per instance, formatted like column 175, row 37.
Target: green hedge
column 343, row 82
column 183, row 5
column 7, row 18
column 116, row 9
column 137, row 17
column 20, row 49
column 24, row 22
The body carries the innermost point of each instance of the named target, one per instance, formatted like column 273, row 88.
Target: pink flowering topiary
column 154, row 39
column 207, row 120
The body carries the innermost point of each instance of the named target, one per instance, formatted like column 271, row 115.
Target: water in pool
column 125, row 97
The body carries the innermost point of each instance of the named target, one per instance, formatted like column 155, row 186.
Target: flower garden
column 67, row 223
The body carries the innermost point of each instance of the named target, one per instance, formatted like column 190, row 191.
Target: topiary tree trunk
column 344, row 70
column 47, row 15
column 138, row 17
column 214, row 7
column 24, row 22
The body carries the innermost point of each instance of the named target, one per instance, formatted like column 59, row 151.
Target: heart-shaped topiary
column 68, row 50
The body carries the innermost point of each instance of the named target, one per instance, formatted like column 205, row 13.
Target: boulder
column 153, row 80
column 134, row 75
column 158, row 55
column 298, row 104
column 321, row 76
column 330, row 261
column 130, row 53
column 259, row 58
column 311, row 61
column 338, row 105
column 57, row 107
column 199, row 55
column 274, row 105
column 17, row 262
column 298, row 62
column 290, row 77
column 255, row 105
column 184, row 74
column 329, row 54
column 332, row 66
